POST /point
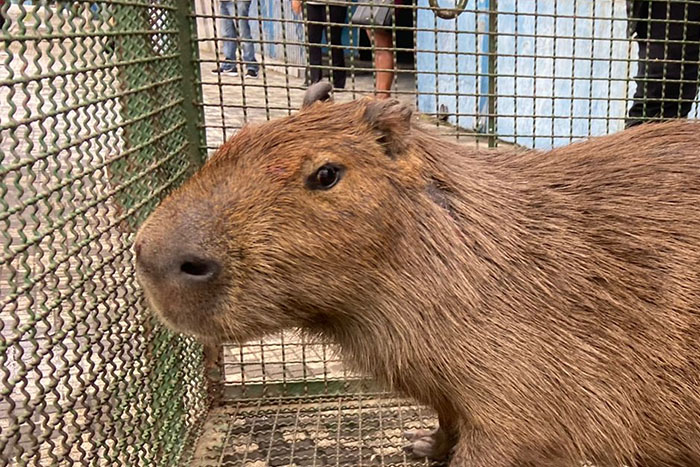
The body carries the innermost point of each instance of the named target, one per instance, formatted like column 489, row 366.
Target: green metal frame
column 99, row 120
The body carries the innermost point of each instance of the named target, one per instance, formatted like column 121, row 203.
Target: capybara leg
column 475, row 449
column 434, row 444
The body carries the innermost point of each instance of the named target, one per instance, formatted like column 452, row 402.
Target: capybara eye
column 325, row 177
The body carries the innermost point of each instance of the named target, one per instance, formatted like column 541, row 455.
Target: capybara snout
column 177, row 257
column 179, row 265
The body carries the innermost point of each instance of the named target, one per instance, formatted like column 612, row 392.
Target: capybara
column 545, row 304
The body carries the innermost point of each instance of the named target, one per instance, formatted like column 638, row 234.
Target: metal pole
column 492, row 69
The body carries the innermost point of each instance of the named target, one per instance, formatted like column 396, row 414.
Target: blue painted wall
column 447, row 65
column 566, row 87
column 559, row 78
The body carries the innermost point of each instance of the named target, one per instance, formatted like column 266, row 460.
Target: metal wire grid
column 285, row 359
column 98, row 124
column 352, row 429
column 93, row 133
column 536, row 73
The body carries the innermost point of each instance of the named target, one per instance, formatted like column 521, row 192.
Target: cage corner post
column 214, row 372
column 192, row 106
column 191, row 81
column 160, row 127
column 492, row 70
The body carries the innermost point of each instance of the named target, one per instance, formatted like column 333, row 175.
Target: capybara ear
column 320, row 91
column 391, row 120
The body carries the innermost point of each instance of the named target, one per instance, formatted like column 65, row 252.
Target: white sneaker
column 231, row 71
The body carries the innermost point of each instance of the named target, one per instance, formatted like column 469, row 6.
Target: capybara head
column 279, row 227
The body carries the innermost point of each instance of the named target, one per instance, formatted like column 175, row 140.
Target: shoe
column 252, row 74
column 229, row 70
column 110, row 46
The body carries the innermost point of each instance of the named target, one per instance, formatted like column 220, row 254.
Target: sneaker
column 252, row 74
column 229, row 70
column 110, row 46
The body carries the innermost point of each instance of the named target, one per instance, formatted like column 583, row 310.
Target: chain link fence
column 107, row 106
column 95, row 129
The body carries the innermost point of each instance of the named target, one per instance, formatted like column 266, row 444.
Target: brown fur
column 546, row 304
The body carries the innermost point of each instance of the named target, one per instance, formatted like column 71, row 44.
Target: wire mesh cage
column 107, row 106
column 94, row 133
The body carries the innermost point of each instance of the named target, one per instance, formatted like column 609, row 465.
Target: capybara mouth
column 204, row 319
column 186, row 320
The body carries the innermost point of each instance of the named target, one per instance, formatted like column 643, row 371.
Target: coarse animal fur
column 545, row 304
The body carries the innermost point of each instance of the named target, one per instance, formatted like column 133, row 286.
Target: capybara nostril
column 198, row 269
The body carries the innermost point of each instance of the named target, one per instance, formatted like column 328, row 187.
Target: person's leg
column 639, row 108
column 690, row 54
column 383, row 61
column 229, row 34
column 674, row 58
column 95, row 10
column 316, row 13
column 338, row 17
column 668, row 69
column 247, row 44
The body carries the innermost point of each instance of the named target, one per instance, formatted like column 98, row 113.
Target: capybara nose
column 174, row 265
column 196, row 269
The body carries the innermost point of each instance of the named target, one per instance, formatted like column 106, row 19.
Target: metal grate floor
column 349, row 429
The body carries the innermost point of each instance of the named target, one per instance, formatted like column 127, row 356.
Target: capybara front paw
column 427, row 443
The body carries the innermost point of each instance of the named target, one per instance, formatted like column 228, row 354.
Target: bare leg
column 383, row 61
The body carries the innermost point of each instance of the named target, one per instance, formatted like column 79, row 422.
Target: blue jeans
column 94, row 8
column 241, row 9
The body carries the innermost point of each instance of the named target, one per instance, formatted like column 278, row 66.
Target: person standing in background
column 668, row 35
column 382, row 39
column 228, row 10
column 316, row 15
